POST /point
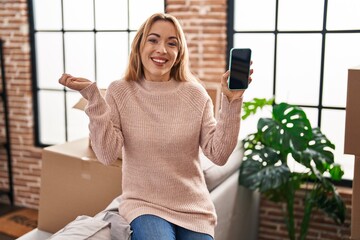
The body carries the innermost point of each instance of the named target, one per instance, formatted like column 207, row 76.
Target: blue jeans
column 150, row 227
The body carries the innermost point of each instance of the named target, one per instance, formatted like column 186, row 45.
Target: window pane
column 112, row 57
column 312, row 115
column 298, row 68
column 342, row 52
column 49, row 59
column 111, row 14
column 78, row 48
column 79, row 55
column 140, row 10
column 77, row 120
column 249, row 16
column 301, row 15
column 51, row 116
column 78, row 15
column 47, row 14
column 343, row 15
column 333, row 126
column 262, row 46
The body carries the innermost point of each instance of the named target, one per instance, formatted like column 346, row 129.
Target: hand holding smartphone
column 239, row 66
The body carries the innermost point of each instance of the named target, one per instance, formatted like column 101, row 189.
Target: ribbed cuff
column 233, row 107
column 91, row 92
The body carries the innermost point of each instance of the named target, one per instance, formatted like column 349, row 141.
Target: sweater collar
column 159, row 87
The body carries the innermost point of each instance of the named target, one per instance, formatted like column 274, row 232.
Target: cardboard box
column 352, row 122
column 73, row 183
column 355, row 208
column 352, row 144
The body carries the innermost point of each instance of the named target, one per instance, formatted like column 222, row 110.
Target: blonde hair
column 180, row 71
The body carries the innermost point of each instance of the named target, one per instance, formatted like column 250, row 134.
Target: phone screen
column 239, row 68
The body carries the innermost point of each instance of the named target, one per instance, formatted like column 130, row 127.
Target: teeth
column 159, row 60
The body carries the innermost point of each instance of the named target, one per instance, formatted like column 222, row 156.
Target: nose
column 161, row 48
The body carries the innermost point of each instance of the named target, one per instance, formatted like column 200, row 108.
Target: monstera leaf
column 288, row 130
column 330, row 202
column 255, row 105
column 317, row 151
column 260, row 170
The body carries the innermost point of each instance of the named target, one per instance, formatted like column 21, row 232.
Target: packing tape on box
column 85, row 170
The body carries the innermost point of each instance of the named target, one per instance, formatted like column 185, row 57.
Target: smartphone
column 239, row 66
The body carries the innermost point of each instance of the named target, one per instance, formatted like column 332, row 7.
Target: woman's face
column 160, row 51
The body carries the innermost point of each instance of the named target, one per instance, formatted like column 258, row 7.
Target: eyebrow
column 158, row 35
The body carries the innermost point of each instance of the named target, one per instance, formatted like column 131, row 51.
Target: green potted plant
column 265, row 168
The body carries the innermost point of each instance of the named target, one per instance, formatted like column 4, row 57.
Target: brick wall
column 25, row 157
column 204, row 23
column 272, row 226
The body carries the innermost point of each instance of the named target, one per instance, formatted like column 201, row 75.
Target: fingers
column 251, row 72
column 69, row 81
column 74, row 83
column 65, row 79
column 224, row 79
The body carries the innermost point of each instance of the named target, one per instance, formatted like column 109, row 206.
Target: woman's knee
column 184, row 234
column 151, row 227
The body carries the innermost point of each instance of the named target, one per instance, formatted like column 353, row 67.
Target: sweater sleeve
column 105, row 127
column 218, row 139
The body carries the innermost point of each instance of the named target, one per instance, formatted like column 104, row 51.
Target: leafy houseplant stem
column 290, row 218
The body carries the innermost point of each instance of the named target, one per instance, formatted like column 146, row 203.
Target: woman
column 161, row 115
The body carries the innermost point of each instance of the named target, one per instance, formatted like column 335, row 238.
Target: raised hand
column 74, row 83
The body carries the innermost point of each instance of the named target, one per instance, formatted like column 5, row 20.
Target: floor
column 4, row 209
column 5, row 237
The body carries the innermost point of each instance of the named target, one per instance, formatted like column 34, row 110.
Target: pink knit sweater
column 161, row 126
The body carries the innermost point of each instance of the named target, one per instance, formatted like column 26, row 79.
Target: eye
column 172, row 44
column 152, row 40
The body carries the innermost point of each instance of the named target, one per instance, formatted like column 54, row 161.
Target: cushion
column 84, row 227
column 214, row 174
column 35, row 234
column 106, row 225
column 120, row 228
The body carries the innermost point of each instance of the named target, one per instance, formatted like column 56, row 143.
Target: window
column 301, row 51
column 88, row 38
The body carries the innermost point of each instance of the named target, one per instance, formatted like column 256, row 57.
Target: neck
column 157, row 79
